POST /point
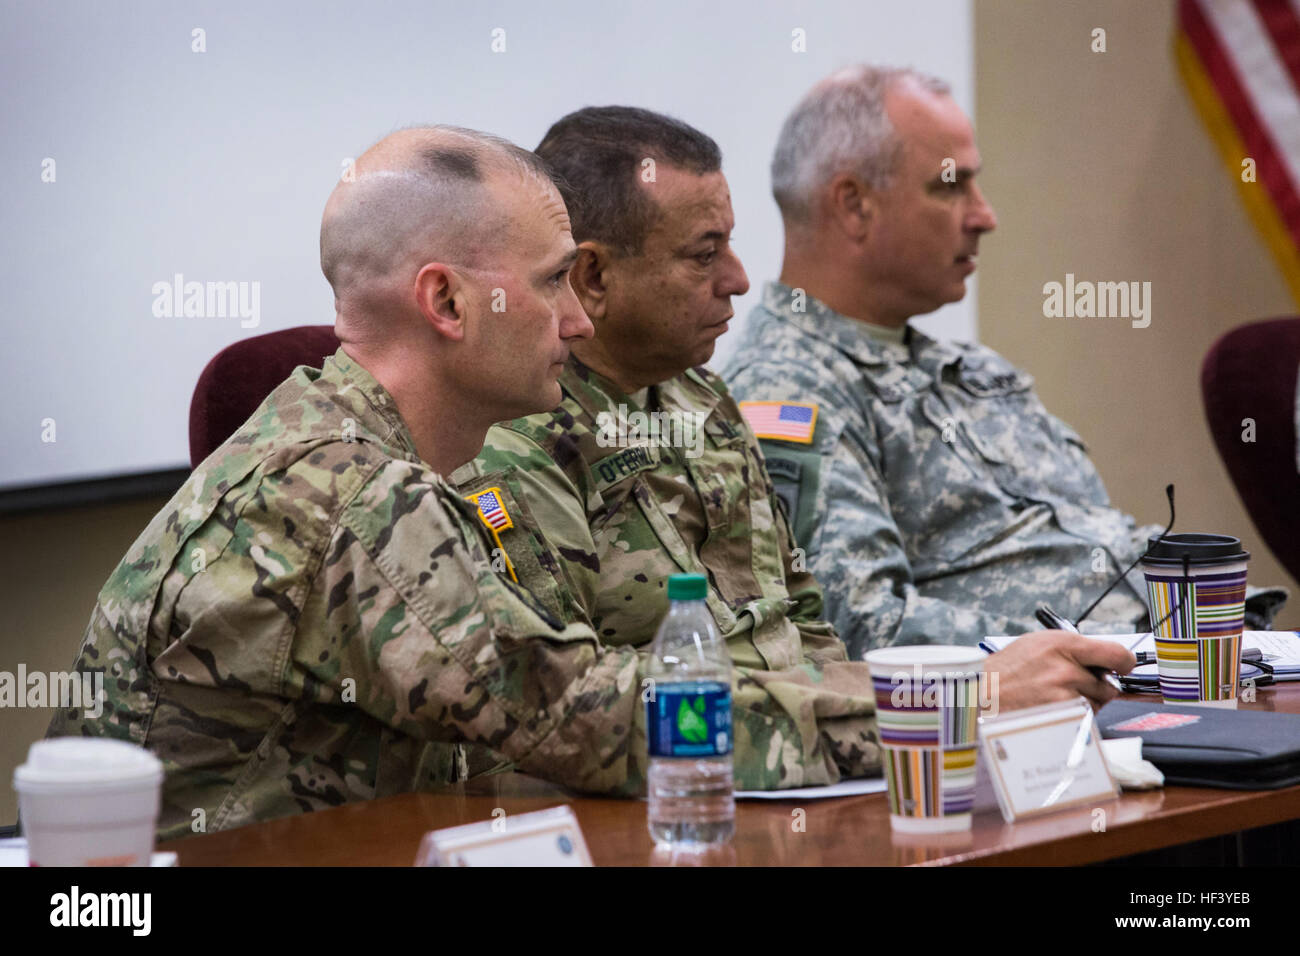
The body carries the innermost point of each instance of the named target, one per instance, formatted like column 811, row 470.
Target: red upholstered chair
column 240, row 376
column 1250, row 372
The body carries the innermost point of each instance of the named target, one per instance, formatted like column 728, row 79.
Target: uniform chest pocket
column 1000, row 417
column 615, row 479
column 630, row 528
column 941, row 481
column 639, row 544
column 614, row 505
column 718, row 493
column 954, row 437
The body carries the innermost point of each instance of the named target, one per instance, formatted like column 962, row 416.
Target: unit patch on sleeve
column 493, row 514
column 784, row 421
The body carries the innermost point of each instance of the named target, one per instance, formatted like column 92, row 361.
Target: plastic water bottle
column 689, row 722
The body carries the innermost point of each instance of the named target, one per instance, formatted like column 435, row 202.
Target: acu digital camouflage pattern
column 617, row 521
column 313, row 620
column 939, row 501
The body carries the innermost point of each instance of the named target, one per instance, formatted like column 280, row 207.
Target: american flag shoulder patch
column 786, row 421
column 491, row 509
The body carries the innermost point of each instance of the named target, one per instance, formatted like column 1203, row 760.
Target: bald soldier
column 315, row 618
column 647, row 468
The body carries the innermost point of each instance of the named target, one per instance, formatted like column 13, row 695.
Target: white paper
column 1124, row 758
column 549, row 837
column 1134, row 642
column 1045, row 758
column 1281, row 648
column 845, row 788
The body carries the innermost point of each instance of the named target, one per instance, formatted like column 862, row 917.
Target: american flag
column 489, row 506
column 1240, row 60
column 788, row 421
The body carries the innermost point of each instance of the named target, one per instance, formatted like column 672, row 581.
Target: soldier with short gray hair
column 938, row 499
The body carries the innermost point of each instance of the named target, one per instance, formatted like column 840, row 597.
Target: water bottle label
column 690, row 720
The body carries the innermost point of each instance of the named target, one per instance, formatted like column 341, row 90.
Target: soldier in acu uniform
column 938, row 499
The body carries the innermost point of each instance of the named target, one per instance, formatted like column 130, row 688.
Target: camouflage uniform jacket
column 314, row 619
column 938, row 499
column 621, row 508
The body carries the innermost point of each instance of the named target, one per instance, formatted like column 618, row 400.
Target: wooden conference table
column 850, row 831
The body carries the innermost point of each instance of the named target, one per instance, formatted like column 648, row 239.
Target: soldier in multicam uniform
column 316, row 617
column 938, row 499
column 647, row 468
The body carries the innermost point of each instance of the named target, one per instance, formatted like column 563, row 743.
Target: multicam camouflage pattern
column 620, row 517
column 939, row 500
column 314, row 619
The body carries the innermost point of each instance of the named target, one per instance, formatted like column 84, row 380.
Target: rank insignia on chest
column 785, row 421
column 490, row 509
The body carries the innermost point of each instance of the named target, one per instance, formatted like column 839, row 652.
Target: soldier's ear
column 590, row 278
column 852, row 205
column 440, row 297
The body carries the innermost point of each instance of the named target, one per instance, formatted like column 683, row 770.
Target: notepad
column 1281, row 649
column 845, row 788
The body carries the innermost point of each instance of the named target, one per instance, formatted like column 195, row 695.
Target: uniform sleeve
column 818, row 637
column 802, row 726
column 856, row 551
column 425, row 636
column 842, row 515
column 553, row 508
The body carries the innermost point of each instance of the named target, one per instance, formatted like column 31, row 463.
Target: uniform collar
column 362, row 398
column 850, row 337
column 594, row 393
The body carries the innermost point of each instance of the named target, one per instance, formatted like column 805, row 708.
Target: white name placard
column 1044, row 759
column 543, row 838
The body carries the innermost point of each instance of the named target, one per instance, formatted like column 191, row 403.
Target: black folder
column 1209, row 747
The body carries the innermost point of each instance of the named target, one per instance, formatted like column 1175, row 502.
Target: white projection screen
column 130, row 157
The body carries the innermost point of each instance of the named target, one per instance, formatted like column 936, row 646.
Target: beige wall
column 52, row 565
column 1098, row 165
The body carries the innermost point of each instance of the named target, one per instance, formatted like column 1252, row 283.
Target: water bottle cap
column 687, row 587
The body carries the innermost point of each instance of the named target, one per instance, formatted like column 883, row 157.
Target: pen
column 1049, row 618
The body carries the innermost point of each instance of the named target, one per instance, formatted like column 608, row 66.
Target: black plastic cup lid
column 1197, row 548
